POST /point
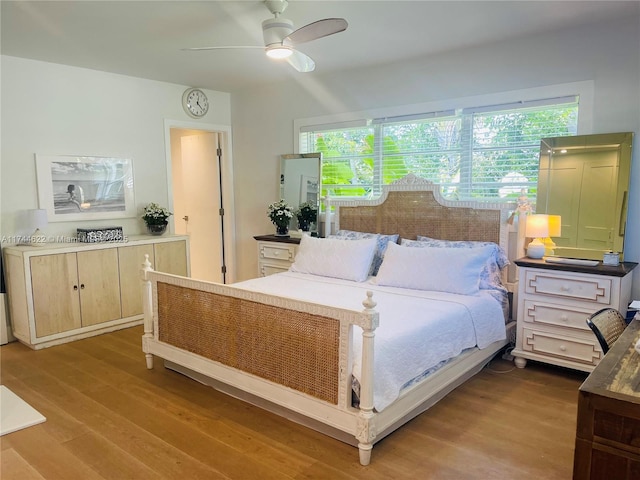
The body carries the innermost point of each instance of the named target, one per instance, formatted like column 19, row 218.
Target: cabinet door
column 99, row 286
column 54, row 284
column 130, row 260
column 171, row 257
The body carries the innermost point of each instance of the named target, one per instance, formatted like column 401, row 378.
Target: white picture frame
column 75, row 188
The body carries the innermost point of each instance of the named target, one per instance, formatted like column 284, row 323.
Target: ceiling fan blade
column 315, row 30
column 301, row 62
column 224, row 47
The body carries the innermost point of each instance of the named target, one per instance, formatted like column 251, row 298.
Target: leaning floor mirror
column 300, row 188
column 585, row 180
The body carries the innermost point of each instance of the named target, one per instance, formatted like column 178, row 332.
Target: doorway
column 201, row 198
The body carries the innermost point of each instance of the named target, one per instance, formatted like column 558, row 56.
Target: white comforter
column 418, row 329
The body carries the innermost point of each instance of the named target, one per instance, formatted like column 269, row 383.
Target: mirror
column 300, row 183
column 585, row 180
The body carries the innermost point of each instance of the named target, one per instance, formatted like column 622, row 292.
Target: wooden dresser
column 275, row 254
column 554, row 301
column 608, row 426
column 61, row 292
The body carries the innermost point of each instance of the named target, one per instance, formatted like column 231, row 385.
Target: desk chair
column 607, row 324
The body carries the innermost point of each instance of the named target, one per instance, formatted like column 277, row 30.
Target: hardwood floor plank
column 113, row 463
column 49, row 457
column 110, row 417
column 14, row 467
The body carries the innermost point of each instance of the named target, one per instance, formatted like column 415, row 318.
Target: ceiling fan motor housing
column 274, row 30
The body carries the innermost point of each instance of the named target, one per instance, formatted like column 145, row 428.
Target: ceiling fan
column 280, row 39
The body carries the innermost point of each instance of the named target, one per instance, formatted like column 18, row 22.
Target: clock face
column 195, row 102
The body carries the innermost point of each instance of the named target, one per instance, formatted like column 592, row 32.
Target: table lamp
column 555, row 230
column 537, row 228
column 37, row 219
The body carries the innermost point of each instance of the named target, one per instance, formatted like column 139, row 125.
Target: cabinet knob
column 276, row 253
column 563, row 348
column 82, row 285
column 564, row 318
column 75, row 287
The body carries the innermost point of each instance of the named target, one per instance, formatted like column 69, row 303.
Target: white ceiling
column 144, row 38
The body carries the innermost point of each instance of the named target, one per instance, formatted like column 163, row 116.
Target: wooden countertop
column 618, row 373
column 276, row 238
column 613, row 271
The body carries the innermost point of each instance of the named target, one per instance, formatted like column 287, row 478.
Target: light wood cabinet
column 275, row 254
column 130, row 261
column 62, row 292
column 554, row 302
column 54, row 283
column 171, row 257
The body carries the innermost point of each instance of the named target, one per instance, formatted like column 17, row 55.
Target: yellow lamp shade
column 555, row 225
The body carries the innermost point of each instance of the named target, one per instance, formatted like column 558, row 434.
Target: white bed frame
column 361, row 426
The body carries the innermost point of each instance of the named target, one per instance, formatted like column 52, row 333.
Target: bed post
column 147, row 308
column 327, row 230
column 366, row 431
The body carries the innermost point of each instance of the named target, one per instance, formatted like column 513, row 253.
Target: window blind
column 488, row 152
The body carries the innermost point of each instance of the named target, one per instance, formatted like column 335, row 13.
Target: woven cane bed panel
column 418, row 213
column 298, row 350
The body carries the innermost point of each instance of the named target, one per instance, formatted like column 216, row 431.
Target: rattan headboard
column 413, row 206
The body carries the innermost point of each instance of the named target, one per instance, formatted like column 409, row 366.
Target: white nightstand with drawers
column 275, row 254
column 554, row 302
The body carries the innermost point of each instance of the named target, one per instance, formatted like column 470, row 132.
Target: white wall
column 55, row 109
column 263, row 118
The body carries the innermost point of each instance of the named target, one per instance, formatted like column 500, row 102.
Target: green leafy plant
column 306, row 213
column 154, row 214
column 280, row 213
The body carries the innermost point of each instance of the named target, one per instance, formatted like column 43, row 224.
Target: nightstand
column 554, row 301
column 275, row 254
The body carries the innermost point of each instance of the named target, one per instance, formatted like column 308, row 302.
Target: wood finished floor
column 108, row 417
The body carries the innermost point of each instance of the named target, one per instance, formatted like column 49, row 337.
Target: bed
column 357, row 346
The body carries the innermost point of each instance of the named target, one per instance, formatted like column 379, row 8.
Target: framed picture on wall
column 72, row 188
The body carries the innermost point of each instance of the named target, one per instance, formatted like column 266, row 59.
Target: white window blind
column 489, row 152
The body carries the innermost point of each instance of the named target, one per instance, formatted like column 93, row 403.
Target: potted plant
column 155, row 218
column 280, row 214
column 307, row 213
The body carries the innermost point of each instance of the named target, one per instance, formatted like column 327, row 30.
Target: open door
column 198, row 200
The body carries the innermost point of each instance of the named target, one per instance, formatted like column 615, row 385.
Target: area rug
column 15, row 413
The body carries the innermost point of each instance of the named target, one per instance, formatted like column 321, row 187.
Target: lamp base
column 549, row 247
column 36, row 239
column 535, row 249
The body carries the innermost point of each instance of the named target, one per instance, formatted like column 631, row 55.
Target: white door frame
column 228, row 219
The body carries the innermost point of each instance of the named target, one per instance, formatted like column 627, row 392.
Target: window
column 482, row 153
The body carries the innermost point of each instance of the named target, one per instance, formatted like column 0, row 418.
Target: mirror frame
column 286, row 159
column 589, row 144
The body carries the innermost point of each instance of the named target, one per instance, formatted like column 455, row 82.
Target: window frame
column 528, row 97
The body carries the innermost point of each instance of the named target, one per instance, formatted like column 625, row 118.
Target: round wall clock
column 195, row 102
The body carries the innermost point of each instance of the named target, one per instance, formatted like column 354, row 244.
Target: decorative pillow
column 451, row 270
column 490, row 277
column 383, row 241
column 336, row 258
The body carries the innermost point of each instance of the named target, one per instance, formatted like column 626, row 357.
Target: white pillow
column 337, row 258
column 454, row 270
column 383, row 240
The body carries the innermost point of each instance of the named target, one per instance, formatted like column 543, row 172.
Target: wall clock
column 195, row 102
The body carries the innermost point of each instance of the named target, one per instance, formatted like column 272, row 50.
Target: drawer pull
column 563, row 348
column 565, row 288
column 564, row 318
column 276, row 253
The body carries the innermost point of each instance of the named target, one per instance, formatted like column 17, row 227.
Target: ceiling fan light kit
column 278, row 52
column 280, row 38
